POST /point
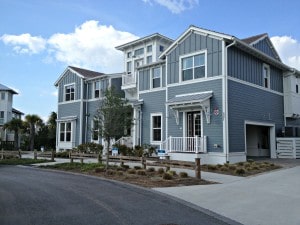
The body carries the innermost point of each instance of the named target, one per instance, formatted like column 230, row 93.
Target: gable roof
column 254, row 39
column 143, row 39
column 5, row 88
column 82, row 73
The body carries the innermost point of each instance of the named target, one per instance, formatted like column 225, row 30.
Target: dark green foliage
column 141, row 172
column 90, row 148
column 183, row 175
column 240, row 171
column 160, row 170
column 167, row 176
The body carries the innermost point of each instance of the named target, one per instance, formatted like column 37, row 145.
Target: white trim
column 198, row 80
column 151, row 128
column 152, row 90
column 204, row 51
column 81, row 112
column 194, row 93
column 64, row 92
column 266, row 66
column 69, row 102
column 151, row 77
column 166, row 97
column 64, row 73
column 254, row 85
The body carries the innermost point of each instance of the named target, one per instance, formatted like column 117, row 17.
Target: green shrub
column 151, row 169
column 232, row 167
column 90, row 147
column 167, row 176
column 247, row 165
column 212, row 167
column 226, row 164
column 172, row 172
column 131, row 171
column 141, row 172
column 240, row 163
column 183, row 175
column 254, row 167
column 120, row 173
column 110, row 172
column 219, row 165
column 138, row 151
column 224, row 169
column 126, row 167
column 99, row 169
column 250, row 161
column 137, row 167
column 160, row 170
column 240, row 171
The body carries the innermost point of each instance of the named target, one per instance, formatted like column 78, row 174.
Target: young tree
column 32, row 121
column 114, row 117
column 15, row 125
column 51, row 124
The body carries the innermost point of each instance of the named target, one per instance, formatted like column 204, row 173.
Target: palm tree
column 32, row 121
column 15, row 125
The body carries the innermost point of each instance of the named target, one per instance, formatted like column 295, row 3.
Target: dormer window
column 70, row 92
column 266, row 76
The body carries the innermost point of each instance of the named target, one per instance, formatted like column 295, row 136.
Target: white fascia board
column 63, row 74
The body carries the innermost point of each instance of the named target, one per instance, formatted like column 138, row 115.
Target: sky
column 39, row 39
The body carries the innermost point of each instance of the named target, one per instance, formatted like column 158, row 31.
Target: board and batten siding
column 69, row 78
column 265, row 47
column 154, row 102
column 250, row 69
column 69, row 110
column 194, row 43
column 144, row 77
column 214, row 129
column 253, row 104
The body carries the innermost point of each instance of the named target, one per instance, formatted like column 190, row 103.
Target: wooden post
column 20, row 154
column 70, row 156
column 197, row 168
column 167, row 158
column 81, row 160
column 52, row 155
column 35, row 154
column 99, row 158
column 143, row 162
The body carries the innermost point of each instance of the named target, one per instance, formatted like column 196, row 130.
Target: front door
column 193, row 128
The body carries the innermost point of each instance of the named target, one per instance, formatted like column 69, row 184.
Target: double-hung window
column 2, row 95
column 97, row 89
column 65, row 131
column 95, row 132
column 128, row 67
column 156, row 77
column 1, row 117
column 139, row 51
column 149, row 48
column 156, row 127
column 70, row 92
column 266, row 76
column 193, row 67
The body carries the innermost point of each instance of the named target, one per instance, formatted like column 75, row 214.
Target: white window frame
column 99, row 89
column 149, row 48
column 128, row 67
column 152, row 78
column 193, row 55
column 65, row 92
column 95, row 130
column 149, row 57
column 129, row 54
column 152, row 115
column 65, row 132
column 3, row 95
column 268, row 76
column 2, row 117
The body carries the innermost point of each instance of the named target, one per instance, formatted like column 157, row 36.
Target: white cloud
column 91, row 46
column 175, row 6
column 54, row 93
column 288, row 49
column 25, row 43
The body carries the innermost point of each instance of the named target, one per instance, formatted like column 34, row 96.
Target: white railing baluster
column 185, row 144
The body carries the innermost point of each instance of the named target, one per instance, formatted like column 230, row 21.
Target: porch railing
column 129, row 79
column 185, row 144
column 124, row 141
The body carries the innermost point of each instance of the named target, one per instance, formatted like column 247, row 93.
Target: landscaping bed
column 149, row 178
column 23, row 161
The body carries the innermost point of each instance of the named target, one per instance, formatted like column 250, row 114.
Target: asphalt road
column 32, row 196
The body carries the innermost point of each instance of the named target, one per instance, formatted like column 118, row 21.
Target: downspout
column 284, row 117
column 81, row 112
column 86, row 112
column 226, row 136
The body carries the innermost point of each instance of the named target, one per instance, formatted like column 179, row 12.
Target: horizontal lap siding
column 192, row 44
column 154, row 102
column 213, row 130
column 250, row 103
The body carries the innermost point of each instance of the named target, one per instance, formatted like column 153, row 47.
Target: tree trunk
column 32, row 133
column 16, row 140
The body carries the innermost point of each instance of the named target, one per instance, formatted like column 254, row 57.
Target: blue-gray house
column 207, row 94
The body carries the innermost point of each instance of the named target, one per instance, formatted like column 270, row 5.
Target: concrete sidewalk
column 270, row 198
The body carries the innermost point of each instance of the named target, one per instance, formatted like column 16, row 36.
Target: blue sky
column 39, row 39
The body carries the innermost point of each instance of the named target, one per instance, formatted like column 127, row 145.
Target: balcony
column 185, row 144
column 129, row 81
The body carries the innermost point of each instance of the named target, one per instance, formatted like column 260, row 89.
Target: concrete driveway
column 270, row 198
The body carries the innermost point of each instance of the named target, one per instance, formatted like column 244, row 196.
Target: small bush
column 219, row 165
column 255, row 167
column 110, row 172
column 160, row 171
column 226, row 164
column 167, row 176
column 224, row 169
column 64, row 154
column 141, row 172
column 131, row 171
column 172, row 172
column 120, row 173
column 137, row 167
column 232, row 167
column 240, row 163
column 99, row 169
column 212, row 167
column 240, row 171
column 250, row 161
column 151, row 169
column 126, row 167
column 247, row 165
column 183, row 175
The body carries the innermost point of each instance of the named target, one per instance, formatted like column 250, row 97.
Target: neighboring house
column 79, row 93
column 7, row 112
column 207, row 94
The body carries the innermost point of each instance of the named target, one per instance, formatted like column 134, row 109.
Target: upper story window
column 95, row 125
column 297, row 89
column 161, row 48
column 266, row 76
column 193, row 67
column 156, row 127
column 65, row 131
column 156, row 77
column 139, row 51
column 97, row 89
column 149, row 59
column 1, row 117
column 129, row 54
column 138, row 63
column 128, row 67
column 2, row 95
column 70, row 92
column 149, row 48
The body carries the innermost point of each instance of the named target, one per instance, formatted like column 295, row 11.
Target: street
column 33, row 196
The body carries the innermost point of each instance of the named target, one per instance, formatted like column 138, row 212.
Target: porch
column 185, row 145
